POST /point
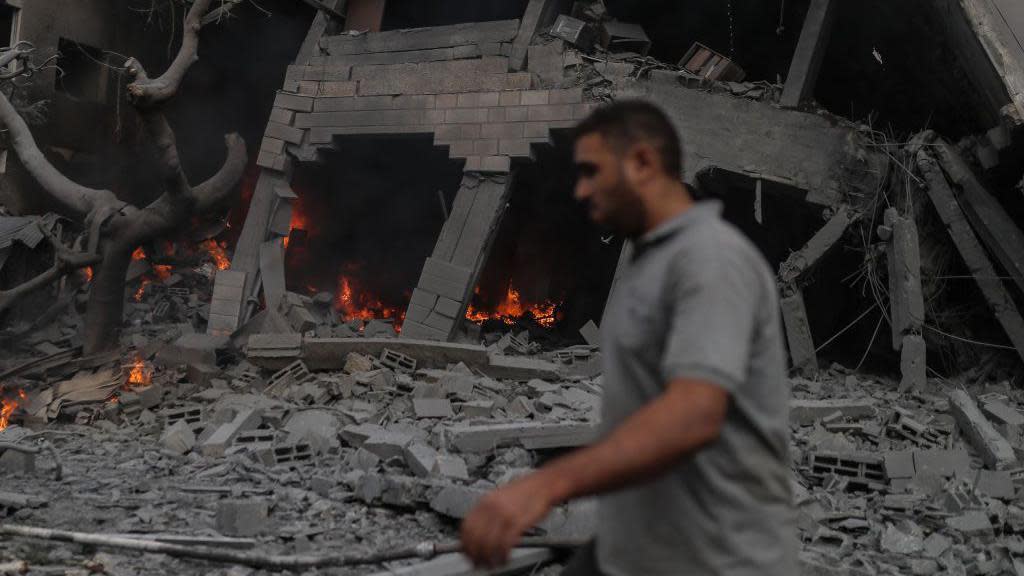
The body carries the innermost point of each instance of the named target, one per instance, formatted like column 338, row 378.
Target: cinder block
column 470, row 51
column 485, row 147
column 242, row 517
column 309, row 87
column 282, row 116
column 414, row 101
column 448, row 307
column 516, row 113
column 418, row 331
column 272, row 145
column 312, row 73
column 245, row 419
column 473, row 164
column 283, row 132
column 439, row 322
column 432, row 408
column 433, row 117
column 336, row 72
column 535, row 97
column 468, row 100
column 417, row 313
column 550, row 112
column 293, row 102
column 488, row 99
column 580, row 111
column 536, row 130
column 495, row 115
column 338, row 89
column 326, row 104
column 519, row 147
column 466, row 115
column 509, row 98
column 504, row 131
column 447, row 100
column 518, row 81
column 461, row 148
column 500, row 164
column 567, row 96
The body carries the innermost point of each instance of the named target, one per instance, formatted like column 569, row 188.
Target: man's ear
column 643, row 159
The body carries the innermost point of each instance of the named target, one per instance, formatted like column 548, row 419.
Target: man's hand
column 494, row 527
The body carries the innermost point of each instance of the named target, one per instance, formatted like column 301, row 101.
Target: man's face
column 602, row 185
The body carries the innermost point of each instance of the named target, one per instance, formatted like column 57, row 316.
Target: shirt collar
column 699, row 211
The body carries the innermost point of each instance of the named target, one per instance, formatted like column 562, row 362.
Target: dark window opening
column 547, row 254
column 366, row 219
column 84, row 71
column 400, row 14
column 8, row 18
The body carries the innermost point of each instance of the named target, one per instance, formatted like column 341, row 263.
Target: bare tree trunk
column 116, row 228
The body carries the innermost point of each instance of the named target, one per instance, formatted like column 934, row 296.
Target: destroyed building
column 398, row 306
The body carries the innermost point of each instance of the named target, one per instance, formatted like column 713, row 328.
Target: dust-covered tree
column 113, row 229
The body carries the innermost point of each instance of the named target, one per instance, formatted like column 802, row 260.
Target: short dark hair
column 627, row 122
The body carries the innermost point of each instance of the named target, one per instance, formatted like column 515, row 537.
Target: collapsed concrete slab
column 994, row 449
column 529, row 435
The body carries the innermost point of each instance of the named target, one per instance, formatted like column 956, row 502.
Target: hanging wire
column 732, row 33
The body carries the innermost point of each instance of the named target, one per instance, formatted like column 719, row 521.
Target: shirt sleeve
column 714, row 310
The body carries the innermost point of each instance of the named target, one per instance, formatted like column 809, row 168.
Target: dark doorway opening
column 366, row 218
column 547, row 258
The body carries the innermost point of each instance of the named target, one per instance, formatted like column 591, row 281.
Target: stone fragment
column 806, row 412
column 905, row 537
column 450, row 466
column 356, row 363
column 242, row 517
column 15, row 462
column 971, row 523
column 432, row 408
column 388, row 444
column 420, row 458
column 936, row 544
column 994, row 484
column 995, row 451
column 178, row 438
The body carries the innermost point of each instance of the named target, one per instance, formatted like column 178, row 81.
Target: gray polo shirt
column 699, row 301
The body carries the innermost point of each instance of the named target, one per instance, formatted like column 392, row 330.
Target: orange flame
column 8, row 406
column 138, row 254
column 88, row 274
column 139, row 376
column 162, row 271
column 218, row 253
column 142, row 289
column 512, row 308
column 364, row 306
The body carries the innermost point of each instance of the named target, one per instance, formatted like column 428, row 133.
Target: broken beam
column 971, row 251
column 810, row 52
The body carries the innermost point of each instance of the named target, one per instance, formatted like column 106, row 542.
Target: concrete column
column 538, row 14
column 810, row 51
column 449, row 275
column 906, row 299
column 798, row 332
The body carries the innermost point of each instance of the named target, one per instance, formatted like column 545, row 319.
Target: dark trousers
column 583, row 562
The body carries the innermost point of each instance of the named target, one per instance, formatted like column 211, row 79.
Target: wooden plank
column 971, row 251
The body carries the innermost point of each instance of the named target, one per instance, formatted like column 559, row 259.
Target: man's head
column 625, row 153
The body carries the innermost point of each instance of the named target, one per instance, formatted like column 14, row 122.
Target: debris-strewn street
column 290, row 286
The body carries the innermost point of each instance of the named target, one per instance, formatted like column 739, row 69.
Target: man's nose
column 581, row 191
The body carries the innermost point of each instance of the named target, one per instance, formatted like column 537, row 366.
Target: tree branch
column 175, row 181
column 146, row 92
column 214, row 191
column 67, row 260
column 76, row 201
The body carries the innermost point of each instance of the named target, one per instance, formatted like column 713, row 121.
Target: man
column 692, row 467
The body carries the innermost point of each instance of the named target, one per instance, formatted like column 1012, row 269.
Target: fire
column 298, row 222
column 8, row 405
column 363, row 306
column 218, row 253
column 142, row 289
column 88, row 274
column 512, row 308
column 139, row 375
column 138, row 254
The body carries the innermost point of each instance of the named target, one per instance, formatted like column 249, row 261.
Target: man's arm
column 686, row 417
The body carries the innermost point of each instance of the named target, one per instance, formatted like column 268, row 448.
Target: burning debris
column 289, row 384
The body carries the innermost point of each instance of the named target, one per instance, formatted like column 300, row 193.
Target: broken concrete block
column 242, row 517
column 421, row 459
column 1007, row 421
column 906, row 537
column 222, row 437
column 994, row 484
column 476, row 408
column 456, row 501
column 529, row 435
column 936, row 544
column 178, row 437
column 397, row 361
column 973, row 522
column 379, row 329
column 193, row 349
column 388, row 444
column 944, row 463
column 450, row 466
column 15, row 462
column 432, row 408
column 318, row 427
column 899, row 464
column 995, row 451
column 356, row 434
column 591, row 334
column 865, row 471
column 356, row 363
